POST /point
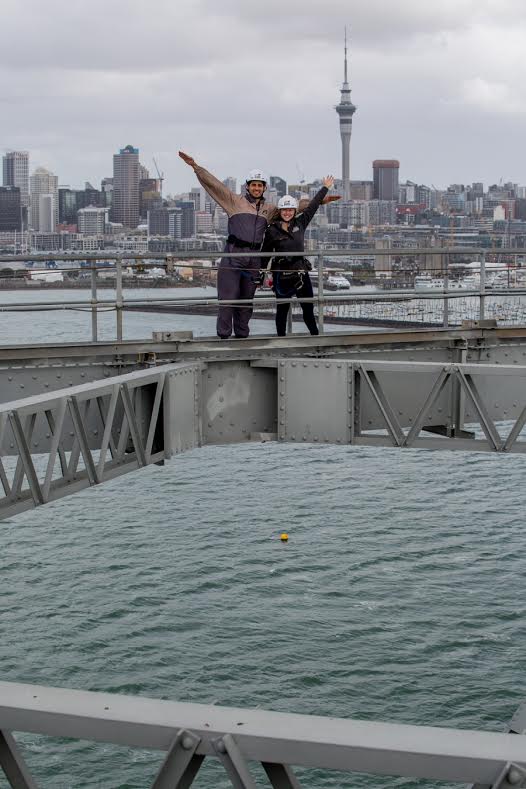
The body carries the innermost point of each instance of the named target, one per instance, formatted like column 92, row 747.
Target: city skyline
column 437, row 88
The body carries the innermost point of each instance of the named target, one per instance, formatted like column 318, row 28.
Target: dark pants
column 282, row 310
column 235, row 282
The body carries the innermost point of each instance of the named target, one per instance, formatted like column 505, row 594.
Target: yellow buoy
column 284, row 537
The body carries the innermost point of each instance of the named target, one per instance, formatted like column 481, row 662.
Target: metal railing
column 191, row 733
column 322, row 299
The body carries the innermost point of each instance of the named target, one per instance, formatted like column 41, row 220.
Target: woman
column 290, row 275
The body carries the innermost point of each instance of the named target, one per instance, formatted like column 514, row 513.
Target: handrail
column 322, row 299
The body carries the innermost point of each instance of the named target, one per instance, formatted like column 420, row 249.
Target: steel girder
column 190, row 733
column 55, row 444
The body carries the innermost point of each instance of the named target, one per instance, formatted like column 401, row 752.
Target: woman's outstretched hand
column 328, row 181
column 188, row 159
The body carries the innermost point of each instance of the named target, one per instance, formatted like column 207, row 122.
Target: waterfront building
column 91, row 221
column 385, row 179
column 158, row 221
column 15, row 169
column 125, row 199
column 346, row 110
column 382, row 212
column 44, row 213
column 203, row 222
column 10, row 209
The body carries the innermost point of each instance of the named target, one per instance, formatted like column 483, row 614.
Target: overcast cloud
column 241, row 83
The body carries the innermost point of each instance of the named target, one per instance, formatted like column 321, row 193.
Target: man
column 248, row 217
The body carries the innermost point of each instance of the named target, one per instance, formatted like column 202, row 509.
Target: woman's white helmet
column 256, row 175
column 287, row 201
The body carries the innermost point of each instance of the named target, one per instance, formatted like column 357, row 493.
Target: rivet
column 187, row 742
column 514, row 776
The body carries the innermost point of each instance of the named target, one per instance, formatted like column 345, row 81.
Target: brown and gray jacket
column 248, row 218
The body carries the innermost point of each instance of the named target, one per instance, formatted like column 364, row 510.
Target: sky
column 241, row 84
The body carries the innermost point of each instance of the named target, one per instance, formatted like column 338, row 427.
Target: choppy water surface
column 399, row 597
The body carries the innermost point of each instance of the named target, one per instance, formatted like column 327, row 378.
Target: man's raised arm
column 217, row 190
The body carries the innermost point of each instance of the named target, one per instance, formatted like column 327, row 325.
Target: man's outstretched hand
column 188, row 159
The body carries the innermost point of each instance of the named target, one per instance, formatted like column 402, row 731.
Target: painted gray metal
column 238, row 736
column 55, row 444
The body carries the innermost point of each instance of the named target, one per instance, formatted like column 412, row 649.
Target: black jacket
column 292, row 240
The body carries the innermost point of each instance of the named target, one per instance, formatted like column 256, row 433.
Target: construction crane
column 160, row 176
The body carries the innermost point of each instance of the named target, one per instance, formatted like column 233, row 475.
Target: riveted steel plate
column 182, row 410
column 238, row 400
column 314, row 401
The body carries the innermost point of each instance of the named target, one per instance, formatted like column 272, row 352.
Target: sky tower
column 346, row 110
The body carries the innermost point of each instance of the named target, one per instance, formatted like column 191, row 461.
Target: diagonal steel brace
column 13, row 765
column 234, row 763
column 181, row 764
column 281, row 776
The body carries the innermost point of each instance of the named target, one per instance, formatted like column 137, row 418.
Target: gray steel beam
column 267, row 737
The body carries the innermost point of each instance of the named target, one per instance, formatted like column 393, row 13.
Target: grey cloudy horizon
column 240, row 85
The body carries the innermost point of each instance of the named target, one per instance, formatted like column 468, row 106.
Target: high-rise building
column 44, row 213
column 231, row 183
column 10, row 209
column 106, row 187
column 187, row 217
column 149, row 196
column 346, row 110
column 67, row 206
column 16, row 173
column 385, row 179
column 279, row 184
column 125, row 199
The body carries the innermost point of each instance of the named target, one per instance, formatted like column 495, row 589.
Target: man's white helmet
column 256, row 175
column 287, row 201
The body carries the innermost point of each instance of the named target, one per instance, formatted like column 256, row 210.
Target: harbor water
column 399, row 596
